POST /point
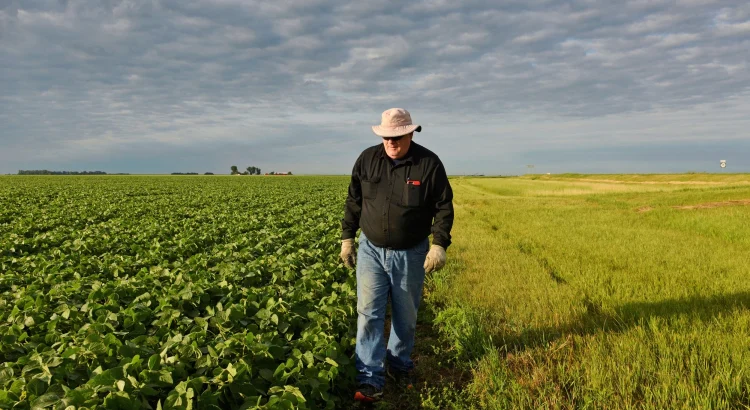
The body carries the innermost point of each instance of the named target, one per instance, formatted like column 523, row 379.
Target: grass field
column 601, row 291
column 561, row 291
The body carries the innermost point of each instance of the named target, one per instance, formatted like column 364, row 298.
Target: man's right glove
column 347, row 253
column 435, row 259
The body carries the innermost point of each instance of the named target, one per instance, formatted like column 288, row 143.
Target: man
column 399, row 193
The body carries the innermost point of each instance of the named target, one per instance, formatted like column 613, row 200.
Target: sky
column 161, row 86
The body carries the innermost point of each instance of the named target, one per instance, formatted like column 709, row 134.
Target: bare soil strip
column 709, row 205
column 615, row 181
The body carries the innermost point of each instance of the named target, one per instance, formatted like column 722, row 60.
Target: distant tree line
column 184, row 173
column 46, row 172
column 249, row 171
column 255, row 171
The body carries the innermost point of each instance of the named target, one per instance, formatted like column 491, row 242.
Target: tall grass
column 593, row 296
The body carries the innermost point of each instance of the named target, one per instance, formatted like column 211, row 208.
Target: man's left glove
column 348, row 255
column 435, row 259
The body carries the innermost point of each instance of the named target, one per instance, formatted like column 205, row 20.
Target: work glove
column 435, row 259
column 348, row 255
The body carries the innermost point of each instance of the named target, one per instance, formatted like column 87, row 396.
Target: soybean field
column 173, row 292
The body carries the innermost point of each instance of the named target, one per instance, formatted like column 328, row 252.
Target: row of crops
column 173, row 292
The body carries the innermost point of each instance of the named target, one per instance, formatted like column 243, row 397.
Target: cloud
column 84, row 80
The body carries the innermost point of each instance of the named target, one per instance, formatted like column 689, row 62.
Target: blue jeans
column 380, row 272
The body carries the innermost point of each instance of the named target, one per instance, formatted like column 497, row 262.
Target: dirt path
column 434, row 367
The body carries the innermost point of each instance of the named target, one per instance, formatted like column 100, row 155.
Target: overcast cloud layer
column 173, row 86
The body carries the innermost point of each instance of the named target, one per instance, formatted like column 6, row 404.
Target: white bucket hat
column 395, row 122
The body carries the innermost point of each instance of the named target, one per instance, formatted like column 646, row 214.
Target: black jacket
column 397, row 206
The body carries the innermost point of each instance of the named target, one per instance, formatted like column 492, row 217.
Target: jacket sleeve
column 442, row 196
column 353, row 206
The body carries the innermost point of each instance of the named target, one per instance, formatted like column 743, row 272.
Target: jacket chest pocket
column 370, row 188
column 412, row 196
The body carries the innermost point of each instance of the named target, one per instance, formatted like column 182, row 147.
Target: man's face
column 397, row 147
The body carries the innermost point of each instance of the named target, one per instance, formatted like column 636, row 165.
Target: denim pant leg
column 373, row 285
column 407, row 280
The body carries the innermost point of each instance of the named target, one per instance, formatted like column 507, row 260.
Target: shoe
column 403, row 379
column 368, row 393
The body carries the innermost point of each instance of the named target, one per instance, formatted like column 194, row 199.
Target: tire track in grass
column 529, row 248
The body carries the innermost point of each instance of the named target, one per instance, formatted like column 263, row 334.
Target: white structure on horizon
column 723, row 163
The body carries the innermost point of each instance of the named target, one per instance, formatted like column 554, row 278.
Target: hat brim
column 395, row 131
